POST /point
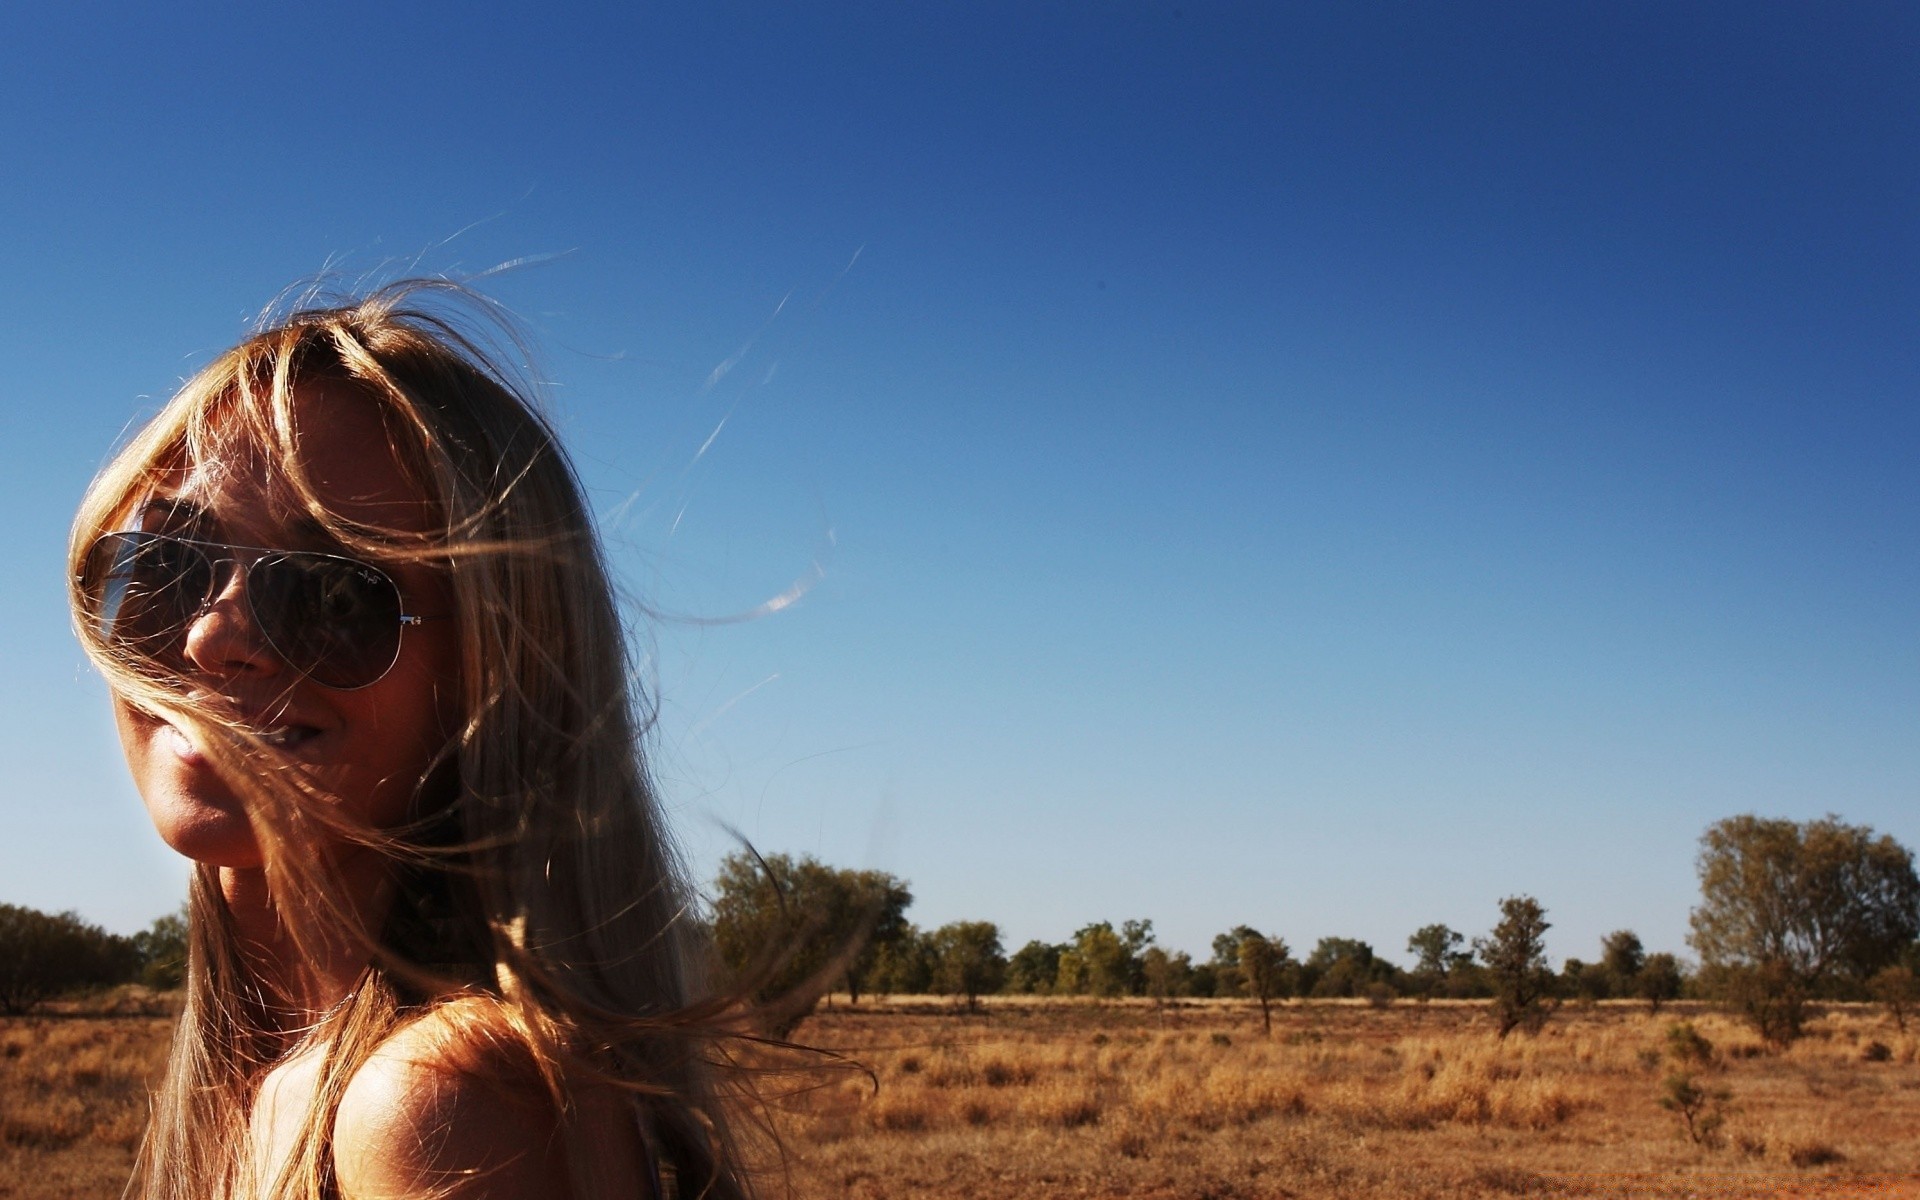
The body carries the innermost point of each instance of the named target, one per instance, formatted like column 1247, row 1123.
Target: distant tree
column 1205, row 980
column 161, row 950
column 1345, row 967
column 1224, row 966
column 1585, row 981
column 1622, row 956
column 1035, row 967
column 1098, row 962
column 1135, row 938
column 789, row 928
column 1771, row 996
column 1167, row 975
column 1516, row 958
column 968, row 959
column 1437, row 953
column 43, row 955
column 1658, row 980
column 1897, row 988
column 1263, row 965
column 880, row 902
column 904, row 966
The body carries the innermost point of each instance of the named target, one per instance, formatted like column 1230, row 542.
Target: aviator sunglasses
column 334, row 619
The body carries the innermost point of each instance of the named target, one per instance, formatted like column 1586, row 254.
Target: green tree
column 43, row 955
column 1659, row 980
column 1823, row 897
column 1515, row 954
column 904, row 966
column 1622, row 957
column 787, row 929
column 161, row 949
column 1167, row 975
column 1345, row 967
column 968, row 959
column 1223, row 969
column 1898, row 990
column 1263, row 967
column 1585, row 981
column 1098, row 962
column 1437, row 954
column 879, row 901
column 1034, row 968
column 1771, row 996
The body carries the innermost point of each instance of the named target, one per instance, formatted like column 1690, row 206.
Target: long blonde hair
column 534, row 873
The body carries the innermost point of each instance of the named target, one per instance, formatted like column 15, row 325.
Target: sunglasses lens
column 145, row 590
column 333, row 619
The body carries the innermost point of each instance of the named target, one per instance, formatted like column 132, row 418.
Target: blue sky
column 1320, row 467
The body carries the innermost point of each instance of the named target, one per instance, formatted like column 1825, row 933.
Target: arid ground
column 1075, row 1098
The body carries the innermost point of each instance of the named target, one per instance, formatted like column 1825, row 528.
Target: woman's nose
column 224, row 639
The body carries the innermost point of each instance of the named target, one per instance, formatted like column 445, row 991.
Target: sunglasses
column 334, row 619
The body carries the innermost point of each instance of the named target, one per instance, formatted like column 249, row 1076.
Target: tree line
column 43, row 955
column 1790, row 912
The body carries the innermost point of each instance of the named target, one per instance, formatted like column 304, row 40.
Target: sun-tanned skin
column 423, row 1117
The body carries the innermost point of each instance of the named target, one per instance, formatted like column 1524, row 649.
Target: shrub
column 1702, row 1110
column 1688, row 1046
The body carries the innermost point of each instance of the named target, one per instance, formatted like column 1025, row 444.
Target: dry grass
column 73, row 1096
column 1078, row 1099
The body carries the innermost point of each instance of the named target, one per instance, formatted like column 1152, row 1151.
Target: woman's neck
column 310, row 976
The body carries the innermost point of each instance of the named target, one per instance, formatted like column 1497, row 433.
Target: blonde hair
column 534, row 873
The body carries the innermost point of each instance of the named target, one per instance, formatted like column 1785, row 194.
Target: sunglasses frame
column 245, row 559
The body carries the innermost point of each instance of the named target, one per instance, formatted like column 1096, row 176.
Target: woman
column 369, row 675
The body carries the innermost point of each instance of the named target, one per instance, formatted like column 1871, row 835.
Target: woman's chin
column 205, row 832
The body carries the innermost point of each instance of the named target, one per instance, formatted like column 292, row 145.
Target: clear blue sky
column 1326, row 467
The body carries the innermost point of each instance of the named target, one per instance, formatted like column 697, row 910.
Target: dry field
column 1080, row 1099
column 73, row 1096
column 1077, row 1099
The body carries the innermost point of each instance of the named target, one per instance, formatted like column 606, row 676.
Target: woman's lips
column 285, row 737
column 289, row 737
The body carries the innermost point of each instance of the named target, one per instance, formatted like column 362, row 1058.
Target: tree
column 1585, row 981
column 1434, row 948
column 1263, row 965
column 1771, row 996
column 787, row 929
column 1659, row 980
column 1437, row 953
column 880, row 901
column 1167, row 975
column 1098, row 962
column 45, row 954
column 1344, row 967
column 968, row 959
column 1898, row 989
column 905, row 965
column 161, row 949
column 1035, row 967
column 1222, row 971
column 1826, row 899
column 1516, row 958
column 1622, row 957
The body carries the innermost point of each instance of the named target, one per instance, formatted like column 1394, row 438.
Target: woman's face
column 368, row 748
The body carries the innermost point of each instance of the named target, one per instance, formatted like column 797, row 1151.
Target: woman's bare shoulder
column 451, row 1107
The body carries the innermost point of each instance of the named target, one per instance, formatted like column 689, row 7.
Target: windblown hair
column 538, row 905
